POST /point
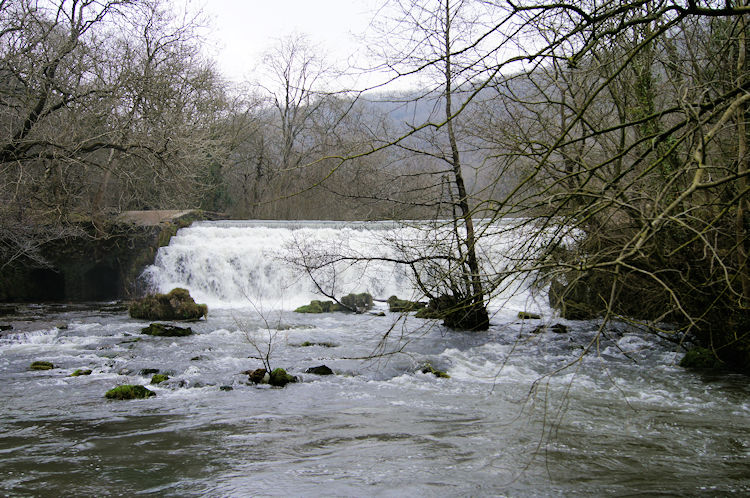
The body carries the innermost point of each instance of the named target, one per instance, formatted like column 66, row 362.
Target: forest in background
column 613, row 133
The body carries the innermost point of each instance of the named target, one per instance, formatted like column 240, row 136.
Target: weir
column 252, row 263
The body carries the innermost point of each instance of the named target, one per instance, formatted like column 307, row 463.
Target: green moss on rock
column 358, row 302
column 41, row 365
column 176, row 305
column 280, row 378
column 129, row 391
column 159, row 378
column 81, row 371
column 525, row 315
column 396, row 305
column 429, row 369
column 700, row 359
column 313, row 307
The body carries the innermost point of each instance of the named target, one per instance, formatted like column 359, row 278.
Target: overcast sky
column 244, row 29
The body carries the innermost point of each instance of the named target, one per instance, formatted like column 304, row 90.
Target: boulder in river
column 525, row 315
column 159, row 378
column 128, row 391
column 166, row 330
column 41, row 365
column 81, row 371
column 280, row 378
column 396, row 305
column 319, row 370
column 358, row 302
column 176, row 305
column 258, row 376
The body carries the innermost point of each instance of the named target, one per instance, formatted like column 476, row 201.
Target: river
column 522, row 414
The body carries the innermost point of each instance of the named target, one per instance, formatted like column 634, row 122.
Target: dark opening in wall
column 48, row 284
column 101, row 283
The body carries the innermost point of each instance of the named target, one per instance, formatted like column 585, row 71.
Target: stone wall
column 96, row 266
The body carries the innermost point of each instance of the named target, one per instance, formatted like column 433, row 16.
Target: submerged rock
column 41, row 365
column 557, row 328
column 159, row 378
column 4, row 327
column 81, row 371
column 129, row 391
column 280, row 378
column 148, row 371
column 166, row 330
column 319, row 370
column 429, row 369
column 226, row 388
column 176, row 305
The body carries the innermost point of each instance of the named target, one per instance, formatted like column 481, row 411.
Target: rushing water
column 522, row 414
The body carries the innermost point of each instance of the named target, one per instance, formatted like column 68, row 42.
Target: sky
column 242, row 30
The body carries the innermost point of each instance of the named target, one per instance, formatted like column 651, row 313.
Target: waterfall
column 246, row 263
column 252, row 263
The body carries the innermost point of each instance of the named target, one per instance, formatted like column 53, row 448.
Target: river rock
column 280, row 378
column 159, row 378
column 41, row 365
column 525, row 315
column 258, row 376
column 128, row 391
column 81, row 371
column 176, row 305
column 319, row 370
column 396, row 305
column 166, row 330
column 226, row 388
column 4, row 327
column 429, row 369
column 358, row 302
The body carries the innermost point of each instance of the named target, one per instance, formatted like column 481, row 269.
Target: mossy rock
column 81, row 371
column 358, row 302
column 159, row 378
column 166, row 330
column 41, row 365
column 148, row 371
column 280, row 378
column 314, row 307
column 429, row 369
column 525, row 315
column 176, row 305
column 701, row 359
column 129, row 391
column 396, row 305
column 317, row 306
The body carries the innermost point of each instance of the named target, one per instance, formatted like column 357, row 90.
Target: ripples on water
column 605, row 425
column 523, row 414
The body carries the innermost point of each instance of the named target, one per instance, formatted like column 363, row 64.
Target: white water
column 522, row 415
column 239, row 264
